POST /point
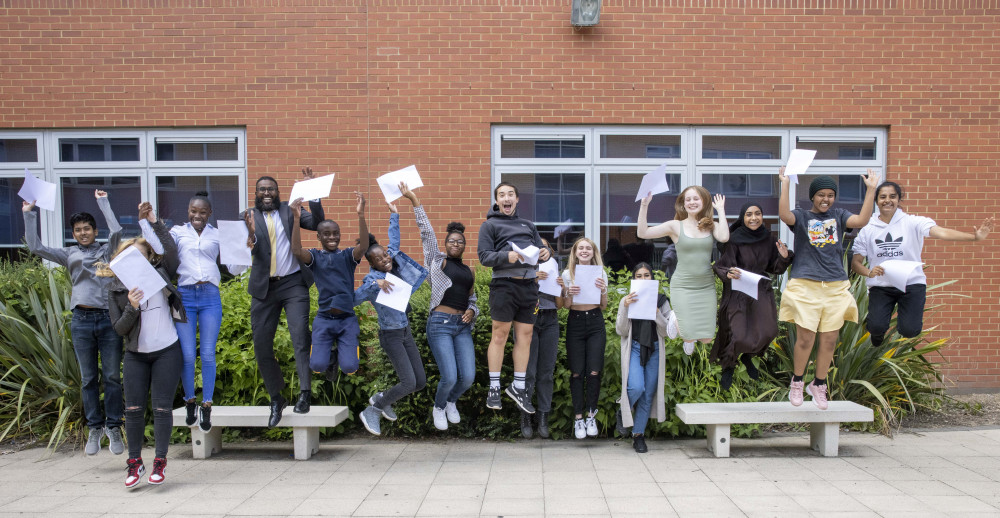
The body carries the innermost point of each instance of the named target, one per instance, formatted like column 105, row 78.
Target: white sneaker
column 440, row 420
column 580, row 429
column 591, row 426
column 689, row 348
column 672, row 330
column 451, row 411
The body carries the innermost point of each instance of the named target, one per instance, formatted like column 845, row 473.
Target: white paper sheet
column 897, row 272
column 389, row 182
column 39, row 191
column 585, row 276
column 550, row 286
column 529, row 254
column 748, row 283
column 644, row 308
column 233, row 249
column 798, row 161
column 134, row 270
column 312, row 189
column 653, row 183
column 562, row 229
column 398, row 297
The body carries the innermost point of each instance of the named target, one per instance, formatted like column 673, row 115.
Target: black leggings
column 402, row 351
column 585, row 341
column 154, row 375
column 910, row 318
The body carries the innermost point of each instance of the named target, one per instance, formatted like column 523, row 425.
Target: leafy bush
column 40, row 383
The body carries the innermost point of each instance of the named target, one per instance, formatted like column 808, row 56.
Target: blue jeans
column 94, row 337
column 203, row 306
column 340, row 331
column 450, row 341
column 642, row 385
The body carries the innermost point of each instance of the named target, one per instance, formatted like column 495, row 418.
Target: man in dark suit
column 279, row 281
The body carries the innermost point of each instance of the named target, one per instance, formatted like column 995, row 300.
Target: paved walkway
column 933, row 473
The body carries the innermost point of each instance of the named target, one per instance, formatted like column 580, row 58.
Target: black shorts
column 513, row 300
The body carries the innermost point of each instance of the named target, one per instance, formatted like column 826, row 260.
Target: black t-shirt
column 457, row 295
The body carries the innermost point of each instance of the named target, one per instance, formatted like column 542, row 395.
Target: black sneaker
column 639, row 443
column 191, row 408
column 332, row 373
column 520, row 396
column 493, row 399
column 206, row 417
column 727, row 378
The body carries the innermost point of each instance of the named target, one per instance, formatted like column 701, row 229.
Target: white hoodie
column 902, row 238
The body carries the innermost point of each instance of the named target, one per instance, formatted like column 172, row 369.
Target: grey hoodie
column 495, row 236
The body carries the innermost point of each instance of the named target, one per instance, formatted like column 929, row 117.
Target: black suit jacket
column 261, row 269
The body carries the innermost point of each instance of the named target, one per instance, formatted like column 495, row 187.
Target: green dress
column 692, row 287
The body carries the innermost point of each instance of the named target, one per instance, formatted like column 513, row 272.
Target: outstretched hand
column 782, row 177
column 871, row 179
column 984, row 230
column 719, row 203
column 361, row 202
column 782, row 249
column 146, row 212
column 98, row 194
column 27, row 206
column 296, row 207
column 408, row 194
column 392, row 207
column 307, row 173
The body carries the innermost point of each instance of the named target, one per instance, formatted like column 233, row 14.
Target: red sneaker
column 795, row 392
column 818, row 393
column 156, row 477
column 134, row 471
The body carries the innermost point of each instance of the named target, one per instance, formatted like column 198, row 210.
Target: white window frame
column 196, row 137
column 740, row 131
column 844, row 135
column 54, row 149
column 678, row 131
column 54, row 225
column 544, row 133
column 39, row 151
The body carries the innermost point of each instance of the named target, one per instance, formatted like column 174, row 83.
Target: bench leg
column 204, row 444
column 718, row 439
column 306, row 441
column 825, row 438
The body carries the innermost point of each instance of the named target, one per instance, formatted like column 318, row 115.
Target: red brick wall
column 361, row 88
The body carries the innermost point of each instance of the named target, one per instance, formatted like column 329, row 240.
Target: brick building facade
column 361, row 88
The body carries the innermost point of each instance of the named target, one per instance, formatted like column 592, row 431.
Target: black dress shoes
column 639, row 443
column 543, row 425
column 302, row 405
column 277, row 406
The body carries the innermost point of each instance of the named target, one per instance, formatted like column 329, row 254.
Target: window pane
column 542, row 148
column 11, row 220
column 197, row 151
column 549, row 198
column 561, row 238
column 18, row 150
column 744, row 188
column 640, row 146
column 123, row 193
column 741, row 147
column 618, row 205
column 173, row 193
column 841, row 150
column 99, row 149
column 634, row 250
column 850, row 192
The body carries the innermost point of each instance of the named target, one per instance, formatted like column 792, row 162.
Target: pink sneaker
column 818, row 393
column 795, row 392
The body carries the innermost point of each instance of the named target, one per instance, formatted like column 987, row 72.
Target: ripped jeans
column 153, row 376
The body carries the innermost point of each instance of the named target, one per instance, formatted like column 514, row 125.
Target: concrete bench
column 824, row 429
column 305, row 427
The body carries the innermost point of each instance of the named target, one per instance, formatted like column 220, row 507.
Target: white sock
column 494, row 379
column 519, row 380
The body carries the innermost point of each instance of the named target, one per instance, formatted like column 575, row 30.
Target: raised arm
column 721, row 232
column 785, row 213
column 296, row 241
column 362, row 248
column 104, row 204
column 861, row 219
column 644, row 231
column 34, row 241
column 311, row 218
column 171, row 259
column 978, row 233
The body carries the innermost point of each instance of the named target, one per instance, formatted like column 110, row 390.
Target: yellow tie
column 272, row 234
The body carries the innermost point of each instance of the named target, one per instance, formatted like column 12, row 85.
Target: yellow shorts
column 818, row 306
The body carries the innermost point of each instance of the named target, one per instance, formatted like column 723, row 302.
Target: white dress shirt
column 197, row 253
column 286, row 263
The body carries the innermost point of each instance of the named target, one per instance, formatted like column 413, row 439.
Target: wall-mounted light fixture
column 586, row 13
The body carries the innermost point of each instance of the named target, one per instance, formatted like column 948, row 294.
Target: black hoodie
column 495, row 236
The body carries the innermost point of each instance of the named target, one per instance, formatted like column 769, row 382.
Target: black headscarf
column 644, row 332
column 739, row 234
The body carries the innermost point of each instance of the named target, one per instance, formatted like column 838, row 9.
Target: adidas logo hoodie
column 902, row 238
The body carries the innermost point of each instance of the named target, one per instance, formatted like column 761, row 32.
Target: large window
column 163, row 166
column 582, row 181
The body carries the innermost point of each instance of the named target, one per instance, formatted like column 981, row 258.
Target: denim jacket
column 408, row 270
